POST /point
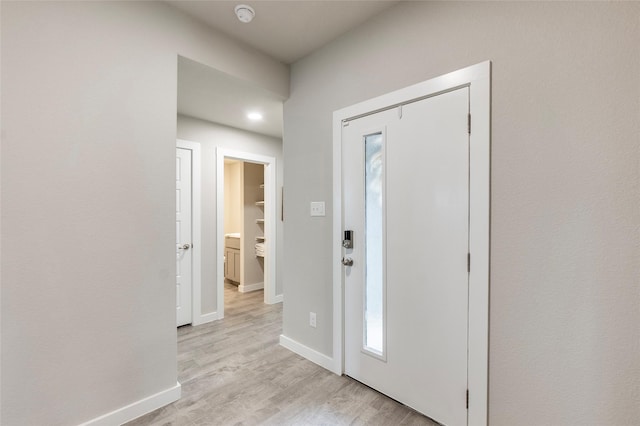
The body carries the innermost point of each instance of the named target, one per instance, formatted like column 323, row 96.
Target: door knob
column 185, row 247
column 347, row 261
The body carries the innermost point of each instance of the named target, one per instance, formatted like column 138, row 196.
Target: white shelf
column 260, row 238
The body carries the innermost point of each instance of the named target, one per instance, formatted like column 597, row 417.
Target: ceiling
column 209, row 94
column 284, row 30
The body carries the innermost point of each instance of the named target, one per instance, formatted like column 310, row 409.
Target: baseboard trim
column 306, row 352
column 138, row 408
column 246, row 288
column 205, row 318
column 277, row 299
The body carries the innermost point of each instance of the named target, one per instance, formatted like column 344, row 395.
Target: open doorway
column 246, row 229
column 244, row 203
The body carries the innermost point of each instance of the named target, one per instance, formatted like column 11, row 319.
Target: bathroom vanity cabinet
column 232, row 258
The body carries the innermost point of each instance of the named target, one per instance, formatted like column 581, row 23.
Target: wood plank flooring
column 234, row 372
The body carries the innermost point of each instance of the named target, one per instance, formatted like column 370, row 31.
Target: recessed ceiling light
column 255, row 116
column 245, row 13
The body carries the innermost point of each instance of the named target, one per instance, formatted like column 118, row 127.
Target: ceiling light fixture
column 245, row 13
column 255, row 116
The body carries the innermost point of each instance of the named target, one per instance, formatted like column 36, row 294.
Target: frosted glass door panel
column 374, row 244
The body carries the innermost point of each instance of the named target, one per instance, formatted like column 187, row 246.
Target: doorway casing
column 478, row 79
column 270, row 296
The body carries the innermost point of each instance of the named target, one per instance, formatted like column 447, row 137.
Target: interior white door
column 406, row 198
column 183, row 236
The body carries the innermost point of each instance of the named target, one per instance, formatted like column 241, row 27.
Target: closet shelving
column 260, row 238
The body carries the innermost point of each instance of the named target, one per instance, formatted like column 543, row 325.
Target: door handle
column 347, row 261
column 185, row 247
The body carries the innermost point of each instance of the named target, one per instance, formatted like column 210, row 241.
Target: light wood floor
column 234, row 372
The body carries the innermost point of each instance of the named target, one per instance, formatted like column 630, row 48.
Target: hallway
column 234, row 371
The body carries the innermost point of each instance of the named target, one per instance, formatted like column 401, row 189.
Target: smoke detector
column 245, row 13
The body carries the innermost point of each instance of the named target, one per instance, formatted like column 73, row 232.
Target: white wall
column 88, row 197
column 565, row 316
column 232, row 197
column 210, row 136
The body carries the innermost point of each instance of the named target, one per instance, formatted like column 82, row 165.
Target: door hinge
column 469, row 123
column 468, row 262
column 400, row 111
column 467, row 399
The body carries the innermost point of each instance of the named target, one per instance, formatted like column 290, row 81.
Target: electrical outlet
column 312, row 319
column 317, row 208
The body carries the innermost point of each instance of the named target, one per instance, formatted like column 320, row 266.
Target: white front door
column 183, row 236
column 406, row 199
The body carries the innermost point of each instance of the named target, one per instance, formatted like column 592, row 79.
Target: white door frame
column 478, row 79
column 196, row 238
column 269, row 223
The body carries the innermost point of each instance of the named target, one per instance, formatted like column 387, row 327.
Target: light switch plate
column 317, row 208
